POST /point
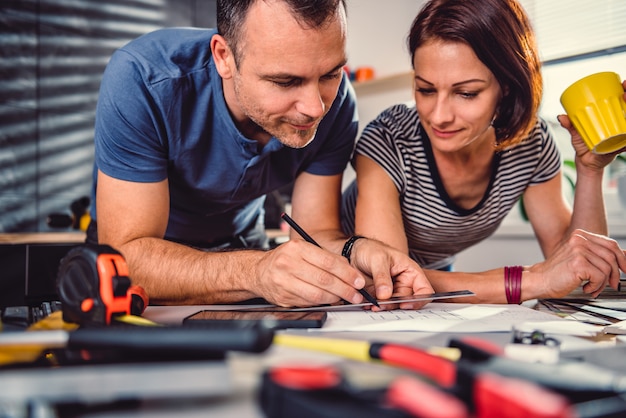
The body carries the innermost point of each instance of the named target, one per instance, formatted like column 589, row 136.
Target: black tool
column 79, row 219
column 94, row 287
column 312, row 392
column 486, row 385
column 578, row 381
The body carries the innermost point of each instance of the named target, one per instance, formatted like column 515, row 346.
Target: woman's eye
column 468, row 95
column 425, row 91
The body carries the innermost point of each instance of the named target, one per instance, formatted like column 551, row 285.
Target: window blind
column 52, row 55
column 567, row 29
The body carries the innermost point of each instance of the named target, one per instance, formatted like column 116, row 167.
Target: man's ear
column 223, row 57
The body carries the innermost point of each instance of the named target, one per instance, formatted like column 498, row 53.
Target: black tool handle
column 194, row 340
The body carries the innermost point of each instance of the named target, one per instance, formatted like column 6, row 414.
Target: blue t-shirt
column 161, row 114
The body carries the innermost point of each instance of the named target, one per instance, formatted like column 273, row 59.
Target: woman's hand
column 591, row 260
column 585, row 158
column 393, row 272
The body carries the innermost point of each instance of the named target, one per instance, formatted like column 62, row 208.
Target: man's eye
column 333, row 76
column 288, row 83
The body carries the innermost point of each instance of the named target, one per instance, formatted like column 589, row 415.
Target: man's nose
column 311, row 103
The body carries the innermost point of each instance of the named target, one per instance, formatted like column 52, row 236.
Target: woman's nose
column 442, row 111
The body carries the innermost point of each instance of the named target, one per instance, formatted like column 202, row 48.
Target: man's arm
column 315, row 205
column 132, row 218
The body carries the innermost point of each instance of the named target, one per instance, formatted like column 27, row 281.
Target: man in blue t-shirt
column 194, row 127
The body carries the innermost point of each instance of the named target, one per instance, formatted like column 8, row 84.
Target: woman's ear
column 505, row 92
column 223, row 56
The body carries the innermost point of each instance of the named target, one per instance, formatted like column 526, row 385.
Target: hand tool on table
column 328, row 391
column 94, row 287
column 569, row 383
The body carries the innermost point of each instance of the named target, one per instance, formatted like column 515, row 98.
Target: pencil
column 310, row 239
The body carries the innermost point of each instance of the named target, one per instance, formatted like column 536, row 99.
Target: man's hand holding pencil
column 322, row 277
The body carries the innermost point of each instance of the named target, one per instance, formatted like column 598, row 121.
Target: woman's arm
column 548, row 213
column 551, row 217
column 378, row 213
column 572, row 260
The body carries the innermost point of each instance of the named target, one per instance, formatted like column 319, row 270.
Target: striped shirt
column 435, row 226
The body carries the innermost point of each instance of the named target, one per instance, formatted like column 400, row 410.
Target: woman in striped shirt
column 438, row 177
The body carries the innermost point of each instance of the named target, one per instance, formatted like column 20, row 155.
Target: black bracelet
column 347, row 247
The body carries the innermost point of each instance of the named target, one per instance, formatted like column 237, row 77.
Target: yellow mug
column 595, row 105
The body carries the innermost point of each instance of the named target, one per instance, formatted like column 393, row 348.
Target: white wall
column 376, row 34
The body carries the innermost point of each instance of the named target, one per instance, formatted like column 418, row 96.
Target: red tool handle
column 442, row 371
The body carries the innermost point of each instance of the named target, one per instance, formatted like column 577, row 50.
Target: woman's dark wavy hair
column 231, row 15
column 501, row 36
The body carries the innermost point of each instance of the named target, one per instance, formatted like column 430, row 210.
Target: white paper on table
column 454, row 317
column 619, row 328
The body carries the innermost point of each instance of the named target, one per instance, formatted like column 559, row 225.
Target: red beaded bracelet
column 513, row 284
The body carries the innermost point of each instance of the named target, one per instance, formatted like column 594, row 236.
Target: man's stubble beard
column 283, row 137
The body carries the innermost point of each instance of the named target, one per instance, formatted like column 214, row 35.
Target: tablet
column 270, row 319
